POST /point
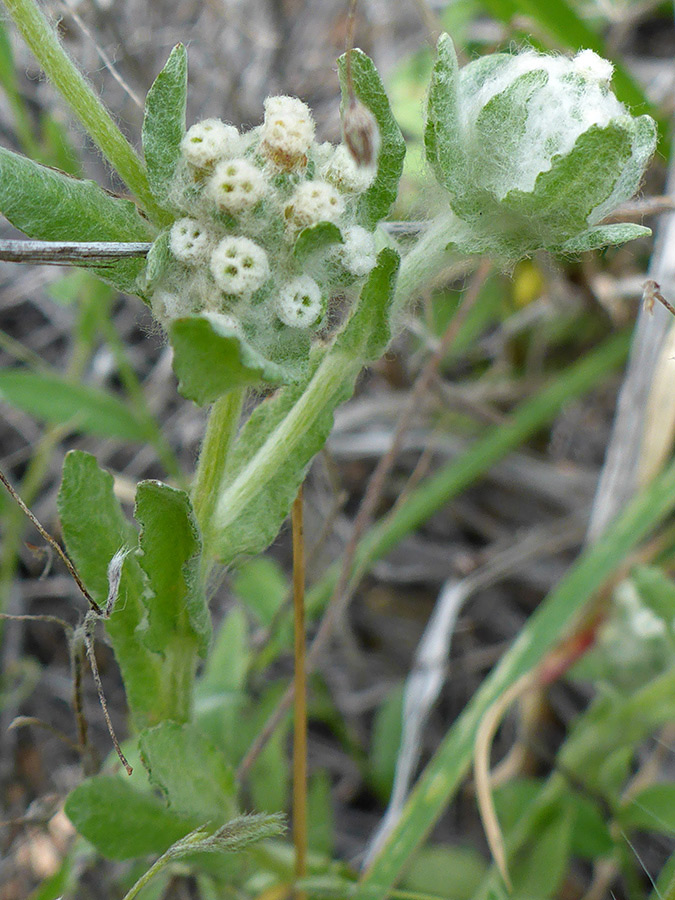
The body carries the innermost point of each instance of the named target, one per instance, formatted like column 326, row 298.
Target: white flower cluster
column 244, row 200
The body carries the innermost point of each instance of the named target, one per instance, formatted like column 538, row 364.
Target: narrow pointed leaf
column 605, row 236
column 442, row 142
column 164, row 123
column 376, row 202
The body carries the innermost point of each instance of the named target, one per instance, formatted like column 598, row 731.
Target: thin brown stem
column 300, row 706
column 349, row 579
column 60, row 252
column 87, row 629
column 53, row 543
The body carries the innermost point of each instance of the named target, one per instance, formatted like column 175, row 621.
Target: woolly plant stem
column 221, row 430
column 42, row 39
column 327, row 381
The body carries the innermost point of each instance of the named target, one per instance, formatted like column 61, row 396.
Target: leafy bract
column 171, row 551
column 604, row 236
column 190, row 771
column 316, row 238
column 375, row 203
column 210, row 359
column 121, row 821
column 369, row 329
column 157, row 260
column 442, row 142
column 164, row 122
column 95, row 528
column 47, row 205
column 54, row 399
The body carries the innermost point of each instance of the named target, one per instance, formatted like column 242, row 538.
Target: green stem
column 70, row 82
column 327, row 381
column 221, row 430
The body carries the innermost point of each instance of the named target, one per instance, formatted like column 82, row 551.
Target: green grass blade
column 442, row 776
column 434, row 492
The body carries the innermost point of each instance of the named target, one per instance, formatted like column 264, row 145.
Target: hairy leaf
column 121, row 821
column 164, row 122
column 190, row 771
column 47, row 205
column 211, row 359
column 376, row 202
column 604, row 236
column 95, row 528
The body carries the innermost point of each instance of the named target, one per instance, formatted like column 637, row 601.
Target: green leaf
column 83, row 409
column 652, row 809
column 320, row 814
column 120, row 821
column 190, row 771
column 164, row 123
column 316, row 238
column 539, row 872
column 604, row 236
column 565, row 195
column 442, row 870
column 262, row 586
column 211, row 359
column 442, row 142
column 157, row 260
column 375, row 203
column 171, row 553
column 368, row 331
column 50, row 206
column 385, row 743
column 94, row 529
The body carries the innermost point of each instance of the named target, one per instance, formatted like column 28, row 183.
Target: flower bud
column 239, row 266
column 313, row 202
column 287, row 132
column 534, row 150
column 208, row 141
column 190, row 242
column 236, row 185
column 361, row 134
column 299, row 302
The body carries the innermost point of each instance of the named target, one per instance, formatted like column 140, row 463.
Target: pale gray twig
column 61, row 252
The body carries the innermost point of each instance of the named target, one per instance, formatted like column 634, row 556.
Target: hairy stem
column 41, row 37
column 221, row 430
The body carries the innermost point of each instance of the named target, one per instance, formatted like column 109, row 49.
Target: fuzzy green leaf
column 442, row 142
column 94, row 529
column 50, row 206
column 368, row 331
column 565, row 195
column 211, row 359
column 157, row 260
column 190, row 771
column 82, row 409
column 121, row 821
column 164, row 122
column 376, row 202
column 171, row 550
column 604, row 236
column 316, row 237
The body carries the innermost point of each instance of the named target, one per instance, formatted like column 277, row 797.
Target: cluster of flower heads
column 245, row 198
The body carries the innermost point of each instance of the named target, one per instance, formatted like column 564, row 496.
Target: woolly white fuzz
column 236, row 185
column 287, row 131
column 313, row 202
column 239, row 266
column 190, row 242
column 298, row 303
column 358, row 251
column 208, row 141
column 345, row 174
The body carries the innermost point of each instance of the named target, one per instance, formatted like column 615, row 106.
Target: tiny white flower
column 190, row 242
column 208, row 141
column 358, row 251
column 239, row 266
column 236, row 185
column 345, row 174
column 313, row 202
column 287, row 132
column 298, row 303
